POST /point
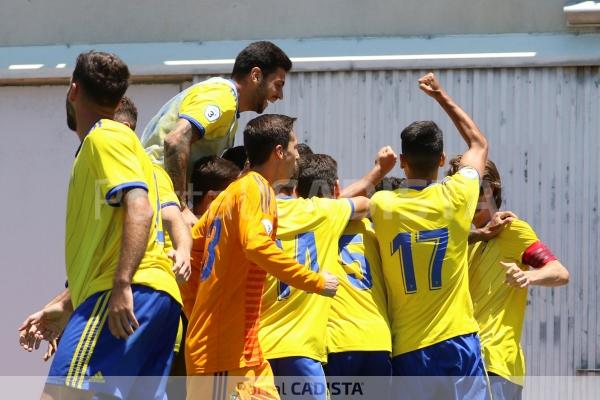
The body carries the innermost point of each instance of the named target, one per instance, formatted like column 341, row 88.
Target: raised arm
column 476, row 155
column 384, row 163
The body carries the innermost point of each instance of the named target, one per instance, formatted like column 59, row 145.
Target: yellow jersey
column 423, row 241
column 167, row 196
column 293, row 323
column 110, row 160
column 358, row 318
column 500, row 309
column 211, row 106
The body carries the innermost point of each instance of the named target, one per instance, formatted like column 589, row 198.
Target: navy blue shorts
column 452, row 369
column 90, row 358
column 299, row 378
column 359, row 363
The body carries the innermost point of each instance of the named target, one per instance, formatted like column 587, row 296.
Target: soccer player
column 236, row 240
column 293, row 323
column 500, row 271
column 423, row 231
column 210, row 176
column 202, row 120
column 121, row 290
column 358, row 331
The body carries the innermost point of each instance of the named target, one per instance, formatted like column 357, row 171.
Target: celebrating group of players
column 278, row 270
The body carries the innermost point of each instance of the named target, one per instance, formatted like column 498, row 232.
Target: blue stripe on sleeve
column 169, row 204
column 119, row 188
column 352, row 207
column 194, row 122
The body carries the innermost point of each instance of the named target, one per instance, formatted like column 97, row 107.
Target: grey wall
column 111, row 21
column 542, row 124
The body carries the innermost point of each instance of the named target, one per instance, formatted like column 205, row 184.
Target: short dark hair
column 212, row 173
column 264, row 55
column 422, row 146
column 304, row 150
column 264, row 133
column 104, row 77
column 317, row 176
column 236, row 155
column 389, row 183
column 491, row 177
column 126, row 112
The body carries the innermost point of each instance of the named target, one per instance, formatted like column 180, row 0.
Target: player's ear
column 442, row 159
column 402, row 161
column 256, row 74
column 73, row 91
column 337, row 189
column 279, row 151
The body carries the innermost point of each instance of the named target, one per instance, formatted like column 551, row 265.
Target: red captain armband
column 537, row 255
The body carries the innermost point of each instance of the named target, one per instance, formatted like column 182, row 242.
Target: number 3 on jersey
column 210, row 258
column 402, row 242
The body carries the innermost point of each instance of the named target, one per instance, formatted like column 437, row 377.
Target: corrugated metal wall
column 543, row 128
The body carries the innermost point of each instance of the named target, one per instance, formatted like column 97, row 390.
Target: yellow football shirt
column 167, row 196
column 110, row 160
column 500, row 309
column 211, row 106
column 358, row 318
column 293, row 323
column 423, row 234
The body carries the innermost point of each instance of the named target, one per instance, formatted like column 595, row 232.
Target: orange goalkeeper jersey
column 234, row 248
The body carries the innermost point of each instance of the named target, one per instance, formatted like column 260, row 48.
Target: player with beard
column 202, row 120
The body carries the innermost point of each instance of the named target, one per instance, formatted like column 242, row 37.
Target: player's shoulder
column 109, row 133
column 465, row 173
column 516, row 228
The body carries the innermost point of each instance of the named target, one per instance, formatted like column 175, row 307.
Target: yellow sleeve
column 256, row 226
column 339, row 211
column 210, row 108
column 117, row 165
column 515, row 239
column 166, row 191
column 462, row 189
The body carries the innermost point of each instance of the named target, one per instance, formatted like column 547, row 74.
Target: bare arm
column 182, row 242
column 136, row 229
column 476, row 155
column 178, row 144
column 551, row 274
column 384, row 163
column 361, row 208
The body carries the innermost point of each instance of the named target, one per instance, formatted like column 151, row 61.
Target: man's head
column 99, row 81
column 318, row 176
column 490, row 192
column 210, row 176
column 304, row 150
column 422, row 150
column 126, row 113
column 270, row 139
column 261, row 67
column 236, row 155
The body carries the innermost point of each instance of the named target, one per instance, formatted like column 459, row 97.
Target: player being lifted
column 201, row 121
column 423, row 231
column 500, row 271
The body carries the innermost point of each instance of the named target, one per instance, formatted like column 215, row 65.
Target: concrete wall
column 111, row 21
